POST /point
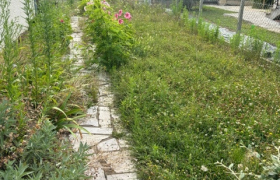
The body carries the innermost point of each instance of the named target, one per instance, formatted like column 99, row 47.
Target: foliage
column 112, row 34
column 277, row 53
column 177, row 7
column 272, row 169
column 236, row 41
column 10, row 29
column 33, row 73
column 46, row 155
column 17, row 172
column 189, row 103
column 10, row 144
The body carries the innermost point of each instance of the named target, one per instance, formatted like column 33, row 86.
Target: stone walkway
column 255, row 16
column 110, row 159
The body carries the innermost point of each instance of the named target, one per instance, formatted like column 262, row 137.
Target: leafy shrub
column 47, row 155
column 10, row 145
column 112, row 34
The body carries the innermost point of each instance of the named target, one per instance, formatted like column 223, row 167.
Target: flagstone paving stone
column 108, row 145
column 126, row 176
column 110, row 158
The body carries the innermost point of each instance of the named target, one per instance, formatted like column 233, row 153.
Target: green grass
column 189, row 103
column 216, row 16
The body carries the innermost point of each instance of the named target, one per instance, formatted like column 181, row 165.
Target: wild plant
column 277, row 53
column 254, row 44
column 46, row 17
column 185, row 18
column 270, row 167
column 214, row 33
column 193, row 24
column 10, row 49
column 235, row 41
column 112, row 34
column 65, row 115
column 177, row 7
column 29, row 12
column 10, row 146
column 58, row 158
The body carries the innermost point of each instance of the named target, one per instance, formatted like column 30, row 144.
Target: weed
column 10, row 53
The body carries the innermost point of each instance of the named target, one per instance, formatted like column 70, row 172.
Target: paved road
column 255, row 16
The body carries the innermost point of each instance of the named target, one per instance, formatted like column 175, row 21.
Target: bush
column 10, row 146
column 112, row 34
column 45, row 156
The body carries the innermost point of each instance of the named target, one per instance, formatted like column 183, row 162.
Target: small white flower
column 204, row 168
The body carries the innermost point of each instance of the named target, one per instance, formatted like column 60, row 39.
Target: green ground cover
column 189, row 103
column 216, row 16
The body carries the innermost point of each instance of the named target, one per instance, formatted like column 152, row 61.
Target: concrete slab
column 100, row 131
column 108, row 145
column 126, row 176
column 120, row 161
column 91, row 140
column 90, row 121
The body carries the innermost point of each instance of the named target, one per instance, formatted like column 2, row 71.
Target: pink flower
column 120, row 21
column 120, row 12
column 127, row 15
column 62, row 21
column 89, row 3
column 105, row 3
column 109, row 12
column 117, row 15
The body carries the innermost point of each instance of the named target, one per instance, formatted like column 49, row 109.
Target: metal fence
column 263, row 13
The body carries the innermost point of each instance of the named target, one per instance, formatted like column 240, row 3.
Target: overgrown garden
column 38, row 95
column 195, row 107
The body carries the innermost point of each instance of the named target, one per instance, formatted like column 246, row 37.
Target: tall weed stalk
column 254, row 44
column 29, row 12
column 176, row 7
column 46, row 17
column 10, row 47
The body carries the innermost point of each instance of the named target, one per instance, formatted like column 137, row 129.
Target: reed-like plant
column 46, row 18
column 10, row 49
column 29, row 12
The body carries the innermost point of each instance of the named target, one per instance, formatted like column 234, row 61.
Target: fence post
column 200, row 8
column 240, row 16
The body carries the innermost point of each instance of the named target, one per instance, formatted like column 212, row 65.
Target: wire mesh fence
column 262, row 13
column 260, row 20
